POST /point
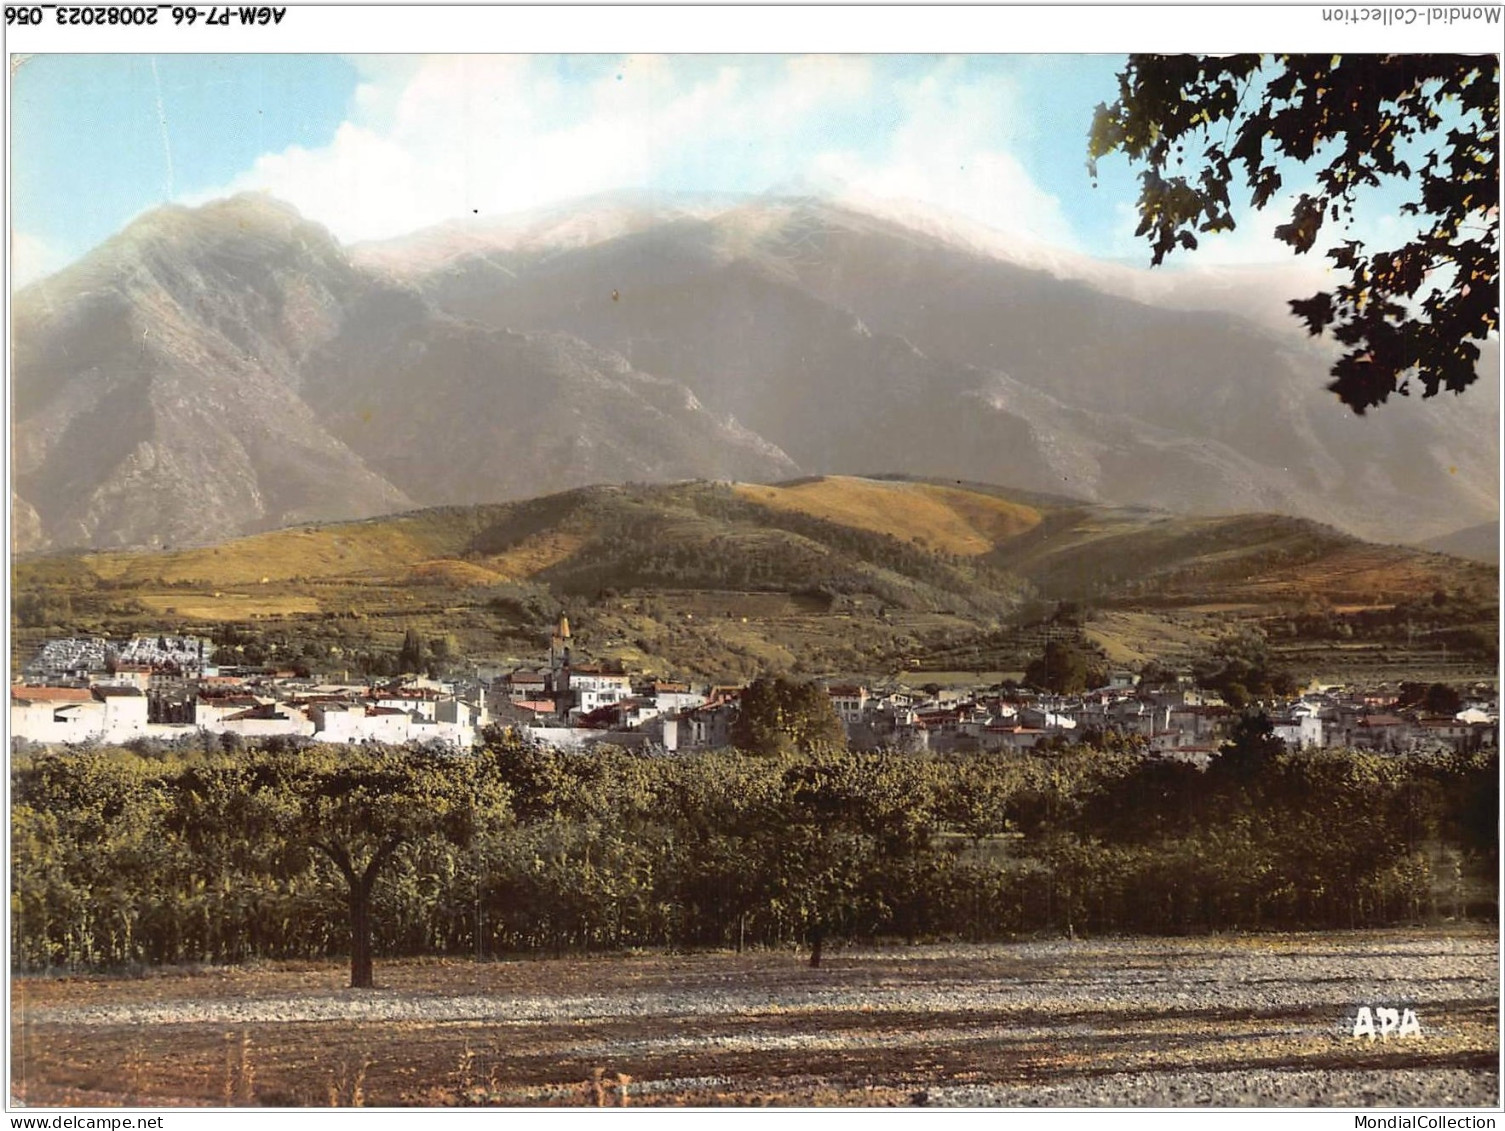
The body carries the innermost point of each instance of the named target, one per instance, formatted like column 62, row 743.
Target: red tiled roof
column 51, row 694
column 223, row 701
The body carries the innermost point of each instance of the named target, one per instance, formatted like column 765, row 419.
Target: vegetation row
column 121, row 858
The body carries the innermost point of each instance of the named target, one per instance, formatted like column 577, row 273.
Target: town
column 168, row 688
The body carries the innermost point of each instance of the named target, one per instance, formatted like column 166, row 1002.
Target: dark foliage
column 780, row 715
column 1067, row 667
column 1199, row 124
column 193, row 856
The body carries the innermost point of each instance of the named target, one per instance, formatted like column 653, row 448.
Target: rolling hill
column 730, row 579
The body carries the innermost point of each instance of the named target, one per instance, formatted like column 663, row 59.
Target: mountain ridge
column 233, row 368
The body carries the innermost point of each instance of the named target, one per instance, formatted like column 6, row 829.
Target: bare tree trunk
column 360, row 885
column 818, row 936
column 361, row 976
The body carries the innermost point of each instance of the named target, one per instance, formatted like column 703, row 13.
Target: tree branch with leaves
column 1197, row 125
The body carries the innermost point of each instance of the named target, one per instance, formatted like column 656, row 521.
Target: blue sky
column 377, row 146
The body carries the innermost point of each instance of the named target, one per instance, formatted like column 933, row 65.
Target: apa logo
column 1382, row 1021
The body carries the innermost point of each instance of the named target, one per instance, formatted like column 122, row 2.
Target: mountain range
column 229, row 369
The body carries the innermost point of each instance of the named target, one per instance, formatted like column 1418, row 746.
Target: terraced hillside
column 864, row 575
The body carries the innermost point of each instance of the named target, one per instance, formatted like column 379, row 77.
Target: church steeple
column 559, row 645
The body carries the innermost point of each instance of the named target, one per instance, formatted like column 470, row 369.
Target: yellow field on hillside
column 535, row 554
column 228, row 606
column 1381, row 574
column 1131, row 638
column 450, row 571
column 939, row 518
column 357, row 550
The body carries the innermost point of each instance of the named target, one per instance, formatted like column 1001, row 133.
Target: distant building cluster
column 249, row 703
column 83, row 657
column 80, row 690
column 1182, row 722
column 573, row 706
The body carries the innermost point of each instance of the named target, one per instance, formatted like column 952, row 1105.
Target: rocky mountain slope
column 839, row 334
column 232, row 368
column 224, row 370
column 1480, row 543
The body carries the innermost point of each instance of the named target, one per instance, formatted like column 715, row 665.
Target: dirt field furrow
column 1227, row 1021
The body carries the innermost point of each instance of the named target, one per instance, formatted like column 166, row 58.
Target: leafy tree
column 1066, row 668
column 412, row 656
column 1357, row 121
column 779, row 715
column 1241, row 669
column 1251, row 750
column 845, row 829
column 1433, row 698
column 359, row 809
column 1156, row 674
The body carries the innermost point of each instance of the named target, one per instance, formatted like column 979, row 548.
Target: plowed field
column 1261, row 1020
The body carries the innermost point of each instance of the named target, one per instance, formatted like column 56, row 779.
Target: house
column 533, row 710
column 525, row 683
column 210, row 712
column 849, row 701
column 76, row 714
column 708, row 727
column 1453, row 734
column 594, row 687
column 267, row 719
column 1389, row 733
column 1038, row 718
column 1301, row 731
column 671, row 697
column 129, row 675
column 1011, row 737
column 419, row 701
column 55, row 714
column 125, row 714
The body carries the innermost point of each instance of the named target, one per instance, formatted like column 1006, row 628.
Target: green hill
column 832, row 575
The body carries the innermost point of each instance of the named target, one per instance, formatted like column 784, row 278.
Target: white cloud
column 809, row 83
column 951, row 151
column 494, row 134
column 31, row 259
column 440, row 137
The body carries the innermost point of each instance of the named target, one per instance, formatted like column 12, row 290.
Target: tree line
column 121, row 859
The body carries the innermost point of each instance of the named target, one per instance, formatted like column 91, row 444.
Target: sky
column 378, row 146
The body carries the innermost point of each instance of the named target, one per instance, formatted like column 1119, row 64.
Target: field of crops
column 1263, row 1020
